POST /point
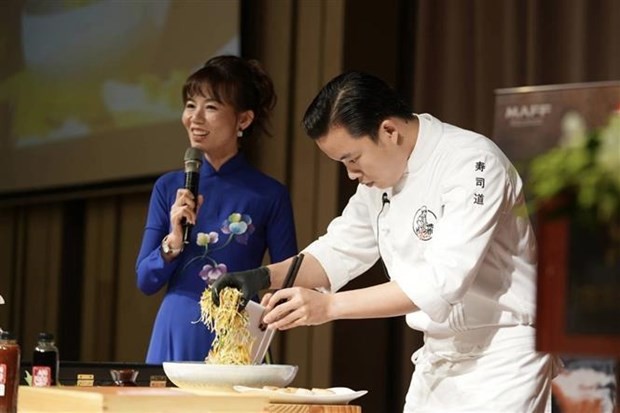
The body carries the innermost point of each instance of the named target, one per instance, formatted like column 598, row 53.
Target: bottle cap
column 7, row 335
column 46, row 337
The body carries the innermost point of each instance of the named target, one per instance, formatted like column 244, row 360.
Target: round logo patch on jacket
column 424, row 223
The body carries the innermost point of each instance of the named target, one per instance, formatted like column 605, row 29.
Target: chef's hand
column 300, row 307
column 249, row 282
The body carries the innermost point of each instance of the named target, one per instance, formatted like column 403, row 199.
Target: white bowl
column 202, row 376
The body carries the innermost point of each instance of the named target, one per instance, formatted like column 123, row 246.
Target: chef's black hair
column 357, row 101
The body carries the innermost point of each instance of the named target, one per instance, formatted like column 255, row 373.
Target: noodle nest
column 233, row 341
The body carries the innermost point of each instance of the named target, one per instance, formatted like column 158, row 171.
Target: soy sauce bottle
column 45, row 362
column 9, row 372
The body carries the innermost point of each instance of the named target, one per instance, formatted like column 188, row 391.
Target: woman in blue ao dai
column 239, row 214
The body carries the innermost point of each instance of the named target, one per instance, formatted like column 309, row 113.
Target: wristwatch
column 167, row 249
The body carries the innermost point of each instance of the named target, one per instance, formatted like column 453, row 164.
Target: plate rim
column 230, row 366
column 280, row 397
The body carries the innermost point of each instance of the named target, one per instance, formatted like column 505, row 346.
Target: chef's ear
column 388, row 130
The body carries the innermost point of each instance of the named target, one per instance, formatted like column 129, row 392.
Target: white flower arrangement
column 584, row 169
column 585, row 163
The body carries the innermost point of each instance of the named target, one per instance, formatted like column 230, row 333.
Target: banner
column 578, row 304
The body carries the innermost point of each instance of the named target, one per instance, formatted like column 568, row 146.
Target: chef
column 444, row 208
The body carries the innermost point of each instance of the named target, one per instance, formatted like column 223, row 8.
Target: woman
column 238, row 215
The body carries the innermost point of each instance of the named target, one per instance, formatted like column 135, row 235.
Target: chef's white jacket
column 454, row 235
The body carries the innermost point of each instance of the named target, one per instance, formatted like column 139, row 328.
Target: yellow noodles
column 233, row 342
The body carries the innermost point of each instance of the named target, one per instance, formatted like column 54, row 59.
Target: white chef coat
column 456, row 238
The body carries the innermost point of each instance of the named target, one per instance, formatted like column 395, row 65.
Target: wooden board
column 132, row 399
column 156, row 400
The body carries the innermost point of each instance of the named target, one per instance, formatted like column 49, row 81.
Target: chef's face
column 379, row 163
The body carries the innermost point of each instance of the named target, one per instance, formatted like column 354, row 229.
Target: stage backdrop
column 90, row 91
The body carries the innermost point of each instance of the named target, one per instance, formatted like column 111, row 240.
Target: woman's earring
column 240, row 133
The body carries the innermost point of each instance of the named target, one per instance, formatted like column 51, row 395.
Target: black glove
column 249, row 282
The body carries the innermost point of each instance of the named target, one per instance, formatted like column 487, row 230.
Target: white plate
column 342, row 395
column 202, row 376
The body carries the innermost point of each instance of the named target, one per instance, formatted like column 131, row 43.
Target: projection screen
column 90, row 90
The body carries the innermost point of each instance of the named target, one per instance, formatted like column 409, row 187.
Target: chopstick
column 292, row 271
column 289, row 281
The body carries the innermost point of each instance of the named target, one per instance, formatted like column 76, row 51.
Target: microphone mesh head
column 193, row 160
column 193, row 154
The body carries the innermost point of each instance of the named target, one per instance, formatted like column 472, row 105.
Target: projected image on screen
column 85, row 72
column 100, row 68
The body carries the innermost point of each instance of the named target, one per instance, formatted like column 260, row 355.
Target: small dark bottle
column 9, row 372
column 45, row 362
column 125, row 377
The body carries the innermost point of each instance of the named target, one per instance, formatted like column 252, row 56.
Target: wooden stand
column 553, row 301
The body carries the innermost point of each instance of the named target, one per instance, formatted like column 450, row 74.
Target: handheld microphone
column 385, row 199
column 193, row 160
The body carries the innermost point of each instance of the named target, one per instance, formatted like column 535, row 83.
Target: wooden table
column 156, row 400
